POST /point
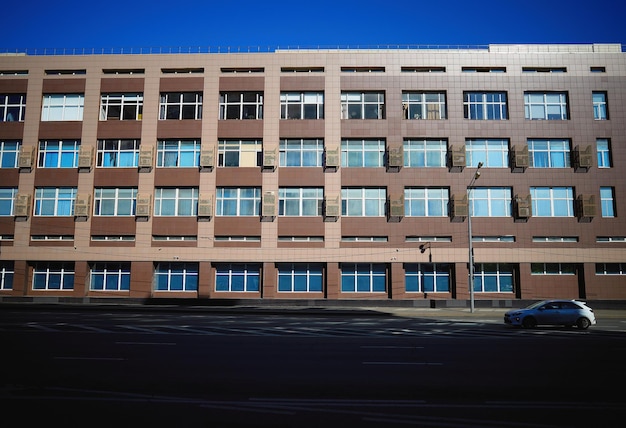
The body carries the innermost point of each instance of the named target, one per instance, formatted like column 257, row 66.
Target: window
column 301, row 152
column 180, row 105
column 364, row 239
column 599, row 69
column 54, row 201
column 603, row 148
column 493, row 278
column 426, row 201
column 170, row 238
column 118, row 153
column 114, row 201
column 176, row 277
column 600, row 106
column 363, row 69
column 300, row 277
column 553, row 153
column 552, row 201
column 427, row 277
column 9, row 153
column 611, row 239
column 300, row 201
column 6, row 275
column 545, row 106
column 427, row 69
column 553, row 269
column 544, row 70
column 241, row 105
column 239, row 153
column 58, row 154
column 555, row 239
column 497, row 238
column 490, row 201
column 58, row 107
column 363, row 153
column 123, row 71
column 424, row 105
column 483, row 69
column 121, row 106
column 53, row 276
column 7, row 196
column 199, row 70
column 110, row 277
column 425, row 153
column 237, row 277
column 485, row 106
column 363, row 202
column 176, row 201
column 363, row 278
column 607, row 201
column 12, row 107
column 302, row 105
column 178, row 153
column 241, row 201
column 610, row 268
column 491, row 152
column 302, row 69
column 362, row 105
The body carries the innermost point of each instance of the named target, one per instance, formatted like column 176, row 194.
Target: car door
column 569, row 313
column 548, row 314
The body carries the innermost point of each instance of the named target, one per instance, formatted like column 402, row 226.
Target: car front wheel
column 583, row 323
column 529, row 322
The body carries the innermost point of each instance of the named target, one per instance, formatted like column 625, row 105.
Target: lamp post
column 469, row 233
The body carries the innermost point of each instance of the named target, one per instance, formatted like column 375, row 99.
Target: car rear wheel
column 529, row 322
column 583, row 323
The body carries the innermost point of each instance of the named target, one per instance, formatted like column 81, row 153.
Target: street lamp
column 469, row 233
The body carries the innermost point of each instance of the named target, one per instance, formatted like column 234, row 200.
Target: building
column 315, row 174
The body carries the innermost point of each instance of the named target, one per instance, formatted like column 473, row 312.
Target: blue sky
column 326, row 23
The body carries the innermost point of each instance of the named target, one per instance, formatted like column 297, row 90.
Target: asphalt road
column 161, row 368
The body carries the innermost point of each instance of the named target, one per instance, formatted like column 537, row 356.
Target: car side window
column 569, row 305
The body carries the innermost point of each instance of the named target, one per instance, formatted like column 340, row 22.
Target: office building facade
column 315, row 174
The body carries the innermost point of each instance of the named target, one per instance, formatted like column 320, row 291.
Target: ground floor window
column 300, row 277
column 176, row 277
column 427, row 277
column 53, row 276
column 6, row 275
column 110, row 277
column 363, row 277
column 238, row 277
column 610, row 268
column 493, row 278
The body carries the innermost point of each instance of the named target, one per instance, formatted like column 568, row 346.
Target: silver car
column 552, row 312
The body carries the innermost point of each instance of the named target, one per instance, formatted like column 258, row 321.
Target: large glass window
column 7, row 271
column 238, row 201
column 490, row 201
column 238, row 277
column 241, row 105
column 603, row 148
column 176, row 201
column 300, row 277
column 493, row 278
column 118, row 153
column 362, row 105
column 424, row 105
column 425, row 153
column 553, row 269
column 121, row 106
column 301, row 152
column 302, row 105
column 552, row 201
column 180, row 105
column 426, row 201
column 178, row 153
column 363, row 278
column 427, row 277
column 239, row 153
column 552, row 153
column 58, row 154
column 363, row 202
column 546, row 105
column 493, row 153
column 115, row 201
column 12, row 107
column 610, row 268
column 7, row 197
column 54, row 201
column 110, row 277
column 59, row 107
column 9, row 153
column 363, row 153
column 485, row 106
column 300, row 201
column 53, row 276
column 176, row 277
column 600, row 106
column 607, row 201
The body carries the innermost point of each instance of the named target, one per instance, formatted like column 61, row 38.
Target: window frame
column 425, row 277
column 371, row 272
column 563, row 202
column 244, row 153
column 187, row 272
column 298, row 105
column 7, row 201
column 600, row 106
column 175, row 106
column 604, row 155
column 290, row 147
column 71, row 107
column 9, row 106
column 185, row 153
column 10, row 153
column 183, row 201
column 415, row 203
column 492, row 152
column 484, row 108
column 49, row 157
column 7, row 274
column 122, row 197
column 239, row 200
column 240, row 108
column 289, row 273
column 545, row 104
column 349, row 194
column 363, row 153
column 497, row 206
column 114, row 153
column 45, row 271
column 248, row 272
column 415, row 149
column 499, row 274
column 416, row 105
column 556, row 157
column 301, row 200
column 63, row 203
column 130, row 106
column 607, row 201
column 107, row 274
column 359, row 105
